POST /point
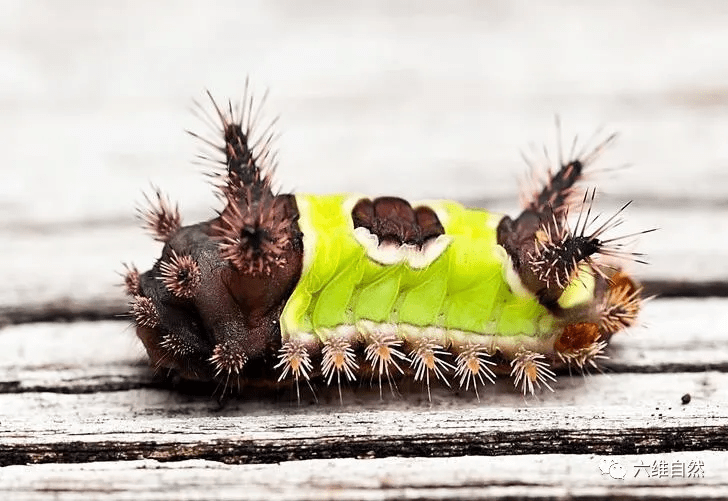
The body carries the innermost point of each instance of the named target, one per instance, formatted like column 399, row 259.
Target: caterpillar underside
column 343, row 288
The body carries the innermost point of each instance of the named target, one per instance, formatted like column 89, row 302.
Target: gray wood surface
column 80, row 393
column 418, row 99
column 558, row 476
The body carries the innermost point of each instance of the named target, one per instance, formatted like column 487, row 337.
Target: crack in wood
column 555, row 441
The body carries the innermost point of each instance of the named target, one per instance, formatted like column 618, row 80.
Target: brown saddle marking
column 394, row 220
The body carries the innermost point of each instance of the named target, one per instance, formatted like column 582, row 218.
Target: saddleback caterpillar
column 340, row 288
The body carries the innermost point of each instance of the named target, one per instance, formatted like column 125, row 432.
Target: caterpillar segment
column 340, row 289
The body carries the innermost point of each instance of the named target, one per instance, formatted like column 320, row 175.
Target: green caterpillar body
column 339, row 286
column 459, row 285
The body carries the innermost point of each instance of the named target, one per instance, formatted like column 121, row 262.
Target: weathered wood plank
column 638, row 418
column 106, row 356
column 557, row 476
column 60, row 402
column 73, row 272
column 423, row 102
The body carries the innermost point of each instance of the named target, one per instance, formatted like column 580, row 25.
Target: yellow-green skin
column 466, row 289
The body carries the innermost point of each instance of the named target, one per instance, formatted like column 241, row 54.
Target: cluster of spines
column 621, row 304
column 253, row 231
column 181, row 275
column 427, row 358
column 387, row 359
column 548, row 190
column 253, row 234
column 531, row 371
column 294, row 358
column 473, row 366
column 247, row 160
column 338, row 359
column 559, row 251
column 144, row 312
column 161, row 218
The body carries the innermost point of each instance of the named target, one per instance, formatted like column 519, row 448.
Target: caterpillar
column 334, row 289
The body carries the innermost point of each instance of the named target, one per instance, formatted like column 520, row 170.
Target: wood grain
column 106, row 406
column 555, row 476
column 154, row 424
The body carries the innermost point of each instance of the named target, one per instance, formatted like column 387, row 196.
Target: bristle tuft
column 144, row 312
column 620, row 308
column 382, row 352
column 160, row 218
column 556, row 192
column 559, row 250
column 472, row 367
column 132, row 281
column 175, row 345
column 181, row 275
column 531, row 372
column 425, row 359
column 556, row 255
column 246, row 149
column 227, row 359
column 254, row 234
column 338, row 358
column 294, row 359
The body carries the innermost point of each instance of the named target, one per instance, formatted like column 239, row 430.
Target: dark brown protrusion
column 209, row 309
column 518, row 238
column 175, row 354
column 557, row 191
column 429, row 223
column 255, row 233
column 362, row 214
column 228, row 328
column 249, row 156
column 547, row 253
column 544, row 252
column 392, row 219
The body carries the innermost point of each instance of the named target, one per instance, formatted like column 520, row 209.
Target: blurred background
column 419, row 99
